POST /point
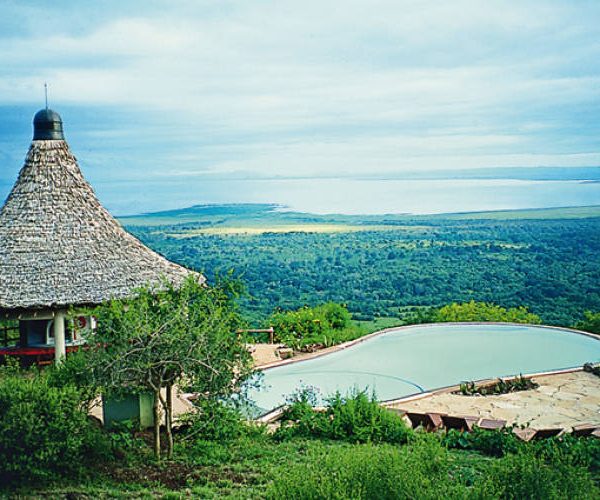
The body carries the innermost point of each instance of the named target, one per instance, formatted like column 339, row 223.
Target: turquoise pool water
column 406, row 361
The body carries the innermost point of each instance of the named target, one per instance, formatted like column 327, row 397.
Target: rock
column 285, row 352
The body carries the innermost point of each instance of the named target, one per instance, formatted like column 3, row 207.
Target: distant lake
column 348, row 196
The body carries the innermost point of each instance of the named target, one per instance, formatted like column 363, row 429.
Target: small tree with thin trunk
column 182, row 336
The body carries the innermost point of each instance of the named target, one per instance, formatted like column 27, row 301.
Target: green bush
column 495, row 443
column 303, row 322
column 358, row 418
column 336, row 315
column 321, row 324
column 74, row 371
column 425, row 469
column 475, row 311
column 526, row 476
column 213, row 421
column 591, row 323
column 299, row 417
column 519, row 383
column 44, row 432
column 579, row 452
column 419, row 471
column 124, row 438
column 355, row 418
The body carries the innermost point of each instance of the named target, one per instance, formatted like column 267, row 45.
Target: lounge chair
column 548, row 433
column 584, row 430
column 491, row 424
column 463, row 424
column 526, row 434
column 429, row 421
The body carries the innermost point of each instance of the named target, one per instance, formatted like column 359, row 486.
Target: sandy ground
column 561, row 400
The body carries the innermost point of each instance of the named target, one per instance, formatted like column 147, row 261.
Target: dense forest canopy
column 549, row 265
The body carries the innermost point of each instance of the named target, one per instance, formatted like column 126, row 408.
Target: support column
column 60, row 350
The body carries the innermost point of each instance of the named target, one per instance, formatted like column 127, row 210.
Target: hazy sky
column 221, row 88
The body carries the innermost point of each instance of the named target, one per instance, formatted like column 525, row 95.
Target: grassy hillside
column 252, row 216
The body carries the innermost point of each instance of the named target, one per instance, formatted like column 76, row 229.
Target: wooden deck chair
column 429, row 421
column 524, row 434
column 548, row 433
column 491, row 424
column 463, row 424
column 583, row 430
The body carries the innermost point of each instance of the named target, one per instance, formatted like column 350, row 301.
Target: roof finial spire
column 46, row 93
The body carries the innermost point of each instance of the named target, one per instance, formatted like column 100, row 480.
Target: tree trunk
column 169, row 420
column 156, row 429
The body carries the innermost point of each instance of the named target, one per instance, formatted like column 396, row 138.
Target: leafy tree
column 336, row 315
column 482, row 311
column 162, row 337
column 591, row 323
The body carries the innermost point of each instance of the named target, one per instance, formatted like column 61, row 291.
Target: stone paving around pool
column 264, row 354
column 561, row 400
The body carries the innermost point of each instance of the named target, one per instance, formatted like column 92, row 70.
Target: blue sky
column 238, row 89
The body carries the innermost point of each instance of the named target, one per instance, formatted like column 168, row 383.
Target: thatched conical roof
column 58, row 245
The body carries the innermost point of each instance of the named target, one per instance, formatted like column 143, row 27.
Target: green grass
column 356, row 449
column 536, row 213
column 258, row 467
column 378, row 324
column 200, row 214
column 238, row 469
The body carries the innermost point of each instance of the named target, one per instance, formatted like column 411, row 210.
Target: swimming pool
column 409, row 360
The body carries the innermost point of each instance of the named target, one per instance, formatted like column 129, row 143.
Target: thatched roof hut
column 58, row 245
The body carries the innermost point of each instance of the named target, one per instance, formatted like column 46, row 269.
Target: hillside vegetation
column 355, row 449
column 547, row 261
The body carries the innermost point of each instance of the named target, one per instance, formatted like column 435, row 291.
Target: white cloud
column 335, row 86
